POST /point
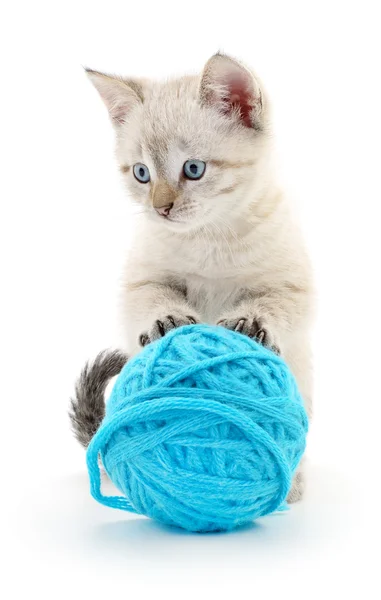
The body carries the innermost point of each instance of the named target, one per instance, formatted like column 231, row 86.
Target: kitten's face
column 187, row 156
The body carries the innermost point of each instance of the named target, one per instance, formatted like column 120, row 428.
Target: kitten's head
column 192, row 150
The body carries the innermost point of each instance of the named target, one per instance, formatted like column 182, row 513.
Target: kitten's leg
column 153, row 309
column 259, row 317
column 270, row 316
column 298, row 485
column 280, row 322
column 297, row 354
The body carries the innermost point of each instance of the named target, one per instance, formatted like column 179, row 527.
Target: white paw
column 161, row 326
column 254, row 327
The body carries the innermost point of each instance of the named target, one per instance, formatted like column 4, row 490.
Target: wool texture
column 203, row 430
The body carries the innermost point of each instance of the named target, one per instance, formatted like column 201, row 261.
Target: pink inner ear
column 240, row 98
column 119, row 112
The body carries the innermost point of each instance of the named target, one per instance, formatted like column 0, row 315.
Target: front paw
column 253, row 327
column 161, row 326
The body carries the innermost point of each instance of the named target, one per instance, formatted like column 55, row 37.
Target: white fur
column 226, row 255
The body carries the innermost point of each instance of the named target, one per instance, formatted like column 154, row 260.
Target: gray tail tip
column 87, row 406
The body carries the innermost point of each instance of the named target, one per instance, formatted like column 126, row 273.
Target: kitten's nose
column 164, row 210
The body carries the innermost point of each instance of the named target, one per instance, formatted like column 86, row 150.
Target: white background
column 65, row 225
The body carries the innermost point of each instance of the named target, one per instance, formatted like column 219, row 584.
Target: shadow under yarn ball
column 204, row 430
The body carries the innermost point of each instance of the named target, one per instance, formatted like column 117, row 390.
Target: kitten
column 217, row 242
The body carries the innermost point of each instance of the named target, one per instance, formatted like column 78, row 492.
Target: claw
column 161, row 328
column 254, row 329
column 240, row 325
column 171, row 320
column 261, row 336
column 143, row 339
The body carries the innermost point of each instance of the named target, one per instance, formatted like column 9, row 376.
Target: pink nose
column 164, row 210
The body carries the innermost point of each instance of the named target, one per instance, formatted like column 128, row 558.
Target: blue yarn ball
column 204, row 430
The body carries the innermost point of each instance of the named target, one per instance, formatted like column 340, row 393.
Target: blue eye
column 141, row 173
column 194, row 168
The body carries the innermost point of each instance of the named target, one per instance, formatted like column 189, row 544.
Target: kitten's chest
column 211, row 297
column 214, row 276
column 214, row 280
column 213, row 260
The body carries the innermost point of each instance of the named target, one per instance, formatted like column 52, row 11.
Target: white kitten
column 217, row 242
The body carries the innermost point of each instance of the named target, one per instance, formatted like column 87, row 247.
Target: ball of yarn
column 204, row 430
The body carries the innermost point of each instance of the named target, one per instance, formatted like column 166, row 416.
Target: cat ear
column 119, row 95
column 232, row 89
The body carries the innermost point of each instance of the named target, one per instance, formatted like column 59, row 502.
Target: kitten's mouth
column 176, row 222
column 176, row 219
column 167, row 219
